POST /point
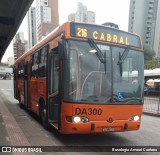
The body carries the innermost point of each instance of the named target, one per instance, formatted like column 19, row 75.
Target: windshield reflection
column 87, row 80
column 127, row 84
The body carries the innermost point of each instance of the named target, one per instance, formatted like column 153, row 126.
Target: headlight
column 134, row 118
column 77, row 119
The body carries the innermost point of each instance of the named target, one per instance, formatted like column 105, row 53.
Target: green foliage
column 149, row 61
column 151, row 64
column 148, row 53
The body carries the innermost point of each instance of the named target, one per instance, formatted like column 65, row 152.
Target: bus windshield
column 89, row 80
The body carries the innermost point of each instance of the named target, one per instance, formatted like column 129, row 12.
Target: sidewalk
column 19, row 128
column 11, row 134
column 4, row 139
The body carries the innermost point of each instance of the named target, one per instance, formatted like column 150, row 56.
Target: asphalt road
column 148, row 135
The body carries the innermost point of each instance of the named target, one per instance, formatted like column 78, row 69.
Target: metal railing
column 152, row 102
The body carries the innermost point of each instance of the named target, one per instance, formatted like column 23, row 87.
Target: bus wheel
column 44, row 118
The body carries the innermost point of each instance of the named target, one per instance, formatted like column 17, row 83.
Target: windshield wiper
column 98, row 51
column 122, row 58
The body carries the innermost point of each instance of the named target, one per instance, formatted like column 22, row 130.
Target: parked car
column 146, row 89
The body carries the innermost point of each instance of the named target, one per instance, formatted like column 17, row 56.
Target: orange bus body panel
column 37, row 88
column 119, row 113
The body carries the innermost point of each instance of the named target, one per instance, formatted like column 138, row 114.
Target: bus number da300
column 87, row 111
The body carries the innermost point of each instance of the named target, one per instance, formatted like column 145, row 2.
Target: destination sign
column 104, row 33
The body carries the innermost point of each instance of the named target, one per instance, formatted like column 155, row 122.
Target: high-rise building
column 10, row 61
column 19, row 36
column 144, row 19
column 47, row 18
column 82, row 15
column 32, row 37
column 19, row 45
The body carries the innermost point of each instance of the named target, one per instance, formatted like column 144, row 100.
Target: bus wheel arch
column 43, row 113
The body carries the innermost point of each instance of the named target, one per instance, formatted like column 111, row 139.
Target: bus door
column 26, row 84
column 53, row 88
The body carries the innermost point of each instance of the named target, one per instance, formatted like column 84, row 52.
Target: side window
column 35, row 61
column 43, row 62
column 21, row 70
column 54, row 72
column 34, row 65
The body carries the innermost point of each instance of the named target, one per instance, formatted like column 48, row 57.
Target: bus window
column 20, row 70
column 54, row 70
column 129, row 82
column 74, row 72
column 34, row 67
column 42, row 63
column 89, row 79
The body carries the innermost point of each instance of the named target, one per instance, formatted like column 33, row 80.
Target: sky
column 115, row 11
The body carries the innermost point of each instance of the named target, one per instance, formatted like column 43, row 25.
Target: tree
column 148, row 53
column 151, row 64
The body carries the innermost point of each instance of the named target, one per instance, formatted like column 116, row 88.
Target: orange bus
column 83, row 78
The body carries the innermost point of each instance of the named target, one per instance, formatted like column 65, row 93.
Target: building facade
column 144, row 20
column 32, row 37
column 47, row 18
column 10, row 61
column 82, row 15
column 19, row 45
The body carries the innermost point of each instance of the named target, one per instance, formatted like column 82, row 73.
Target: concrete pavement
column 11, row 134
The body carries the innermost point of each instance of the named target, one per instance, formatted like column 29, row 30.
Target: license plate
column 108, row 129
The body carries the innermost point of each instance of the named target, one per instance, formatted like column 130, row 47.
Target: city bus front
column 103, row 87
